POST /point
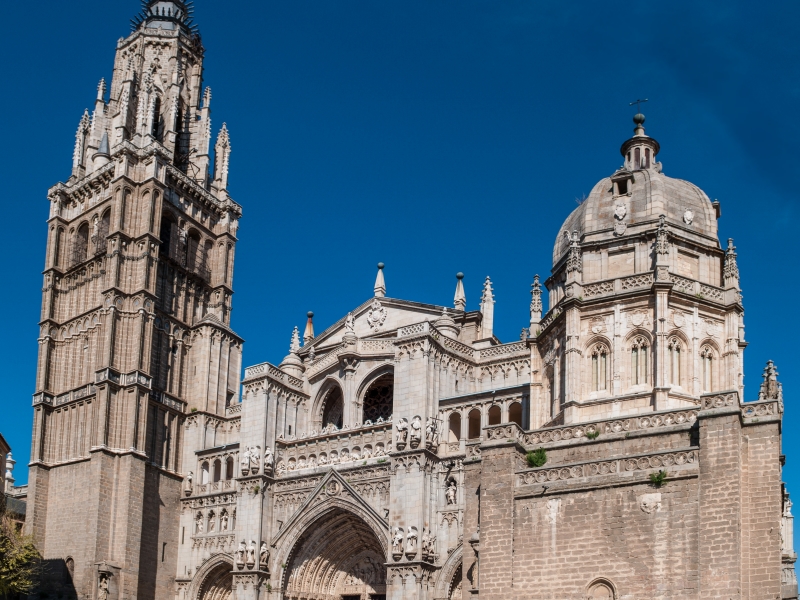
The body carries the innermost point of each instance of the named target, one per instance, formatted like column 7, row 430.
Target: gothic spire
column 536, row 303
column 771, row 389
column 380, row 283
column 222, row 157
column 460, row 299
column 487, row 309
column 166, row 14
column 308, row 334
column 730, row 270
column 294, row 346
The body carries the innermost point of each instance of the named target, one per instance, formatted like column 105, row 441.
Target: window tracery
column 640, row 352
column 674, row 347
column 599, row 357
column 707, row 359
column 333, row 410
column 378, row 398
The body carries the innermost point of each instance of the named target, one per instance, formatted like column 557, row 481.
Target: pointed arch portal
column 337, row 557
column 217, row 584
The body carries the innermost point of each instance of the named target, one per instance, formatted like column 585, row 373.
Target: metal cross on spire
column 637, row 102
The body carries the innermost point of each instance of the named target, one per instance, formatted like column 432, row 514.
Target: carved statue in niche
column 102, row 587
column 223, row 521
column 199, row 523
column 187, row 488
column 350, row 323
column 263, row 555
column 397, row 540
column 416, row 431
column 211, row 522
column 255, row 455
column 428, row 544
column 452, row 490
column 251, row 554
column 402, row 433
column 431, row 433
column 269, row 459
column 244, row 461
column 240, row 554
column 411, row 541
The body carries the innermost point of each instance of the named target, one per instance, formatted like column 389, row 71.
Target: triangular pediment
column 377, row 318
column 332, row 491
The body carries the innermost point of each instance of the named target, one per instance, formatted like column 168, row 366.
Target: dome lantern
column 640, row 150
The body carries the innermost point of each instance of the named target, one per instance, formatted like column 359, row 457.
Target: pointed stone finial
column 380, row 283
column 80, row 140
column 730, row 270
column 308, row 334
column 460, row 299
column 771, row 389
column 9, row 474
column 295, row 344
column 487, row 309
column 536, row 303
column 101, row 90
column 207, row 97
column 575, row 259
column 102, row 156
column 222, row 156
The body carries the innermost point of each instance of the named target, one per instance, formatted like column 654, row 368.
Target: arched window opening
column 205, row 263
column 674, row 351
column 57, row 248
column 599, row 368
column 495, row 415
column 217, row 470
column 515, row 413
column 601, row 590
column 204, row 473
column 193, row 250
column 647, row 158
column 100, row 235
column 166, row 236
column 378, row 398
column 707, row 358
column 80, row 244
column 639, row 361
column 229, row 468
column 454, row 422
column 474, row 424
column 333, row 408
column 637, row 158
column 157, row 121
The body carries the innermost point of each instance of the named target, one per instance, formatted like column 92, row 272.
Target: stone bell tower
column 136, row 302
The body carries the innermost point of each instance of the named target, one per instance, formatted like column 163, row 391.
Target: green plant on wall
column 536, row 458
column 658, row 479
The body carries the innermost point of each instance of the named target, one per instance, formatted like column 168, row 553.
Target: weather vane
column 637, row 103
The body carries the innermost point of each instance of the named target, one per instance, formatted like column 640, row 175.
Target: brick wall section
column 565, row 540
column 761, row 511
column 472, row 484
column 720, row 504
column 497, row 521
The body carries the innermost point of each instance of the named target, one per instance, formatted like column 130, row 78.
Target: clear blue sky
column 433, row 136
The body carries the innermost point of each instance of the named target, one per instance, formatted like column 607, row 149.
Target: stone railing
column 275, row 373
column 607, row 467
column 722, row 400
column 502, row 350
column 763, row 408
column 580, row 430
column 81, row 392
column 455, row 346
column 323, row 362
column 375, row 346
column 550, row 317
column 227, row 485
column 712, row 293
column 601, row 288
column 233, row 409
column 473, row 450
column 423, row 327
column 343, row 446
column 636, row 281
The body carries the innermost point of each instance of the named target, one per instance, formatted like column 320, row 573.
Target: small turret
column 380, row 283
column 640, row 150
column 460, row 299
column 222, row 156
column 293, row 364
column 487, row 309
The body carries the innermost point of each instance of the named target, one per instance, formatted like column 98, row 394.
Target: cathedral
column 405, row 452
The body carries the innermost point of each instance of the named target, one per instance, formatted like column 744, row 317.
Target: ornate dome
column 632, row 200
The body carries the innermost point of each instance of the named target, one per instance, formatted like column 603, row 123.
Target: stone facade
column 405, row 451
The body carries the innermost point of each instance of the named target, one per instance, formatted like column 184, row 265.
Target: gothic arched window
column 474, row 424
column 378, row 398
column 515, row 413
column 495, row 415
column 674, row 348
column 80, row 244
column 454, row 421
column 639, row 360
column 333, row 408
column 229, row 468
column 599, row 367
column 707, row 358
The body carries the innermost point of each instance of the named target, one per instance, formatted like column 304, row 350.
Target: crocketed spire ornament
column 730, row 271
column 294, row 346
column 771, row 388
column 166, row 14
column 574, row 261
column 662, row 237
column 536, row 301
column 460, row 299
column 487, row 309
